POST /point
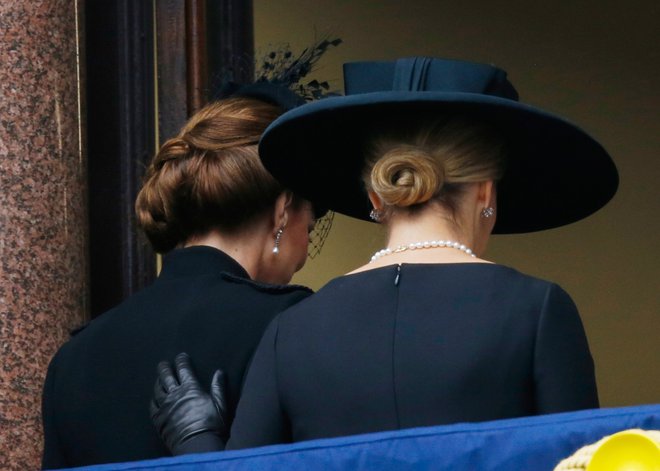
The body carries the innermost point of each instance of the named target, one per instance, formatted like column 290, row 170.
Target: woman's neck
column 247, row 250
column 426, row 226
column 432, row 222
column 407, row 229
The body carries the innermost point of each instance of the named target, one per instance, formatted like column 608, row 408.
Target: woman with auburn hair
column 233, row 238
column 442, row 154
column 207, row 187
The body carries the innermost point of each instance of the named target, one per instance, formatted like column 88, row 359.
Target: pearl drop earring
column 278, row 236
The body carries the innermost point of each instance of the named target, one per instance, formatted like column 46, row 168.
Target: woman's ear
column 375, row 200
column 486, row 197
column 280, row 213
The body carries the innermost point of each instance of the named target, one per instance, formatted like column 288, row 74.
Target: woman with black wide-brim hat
column 428, row 332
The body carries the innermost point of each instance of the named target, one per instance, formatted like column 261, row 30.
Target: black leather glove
column 188, row 419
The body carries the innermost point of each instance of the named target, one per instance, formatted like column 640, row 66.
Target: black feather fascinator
column 280, row 77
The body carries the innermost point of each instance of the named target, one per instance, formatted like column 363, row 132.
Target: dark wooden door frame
column 120, row 141
column 189, row 41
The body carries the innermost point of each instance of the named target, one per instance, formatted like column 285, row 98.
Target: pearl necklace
column 426, row 244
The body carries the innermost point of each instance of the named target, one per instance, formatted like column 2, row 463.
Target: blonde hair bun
column 407, row 175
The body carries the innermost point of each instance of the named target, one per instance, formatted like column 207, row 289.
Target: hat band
column 410, row 74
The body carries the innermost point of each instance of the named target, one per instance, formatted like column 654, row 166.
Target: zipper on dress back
column 398, row 275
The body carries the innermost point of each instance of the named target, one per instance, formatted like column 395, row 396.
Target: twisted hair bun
column 411, row 165
column 170, row 151
column 407, row 175
column 209, row 176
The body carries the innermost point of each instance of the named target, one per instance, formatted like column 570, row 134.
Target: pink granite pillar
column 43, row 261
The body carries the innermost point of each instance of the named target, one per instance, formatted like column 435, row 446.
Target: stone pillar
column 43, row 221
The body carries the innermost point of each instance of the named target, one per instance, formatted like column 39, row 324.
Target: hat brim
column 556, row 173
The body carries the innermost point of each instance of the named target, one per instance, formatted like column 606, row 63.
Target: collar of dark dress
column 199, row 261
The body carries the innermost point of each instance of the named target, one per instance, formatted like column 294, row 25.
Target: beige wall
column 594, row 62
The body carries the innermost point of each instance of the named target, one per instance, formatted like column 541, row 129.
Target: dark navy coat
column 415, row 345
column 99, row 384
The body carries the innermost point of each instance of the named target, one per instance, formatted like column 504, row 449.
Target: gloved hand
column 188, row 419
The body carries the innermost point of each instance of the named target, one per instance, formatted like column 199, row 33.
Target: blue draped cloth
column 529, row 443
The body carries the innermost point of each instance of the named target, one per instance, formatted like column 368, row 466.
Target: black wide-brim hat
column 555, row 174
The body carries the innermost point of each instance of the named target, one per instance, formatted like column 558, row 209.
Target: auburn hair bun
column 209, row 176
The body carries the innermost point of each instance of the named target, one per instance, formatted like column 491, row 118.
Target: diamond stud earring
column 487, row 212
column 375, row 215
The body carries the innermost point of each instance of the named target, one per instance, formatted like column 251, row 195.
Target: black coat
column 99, row 384
column 413, row 346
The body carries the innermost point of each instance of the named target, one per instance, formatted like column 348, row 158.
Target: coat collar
column 200, row 260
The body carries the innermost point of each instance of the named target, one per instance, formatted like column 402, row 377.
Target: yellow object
column 630, row 450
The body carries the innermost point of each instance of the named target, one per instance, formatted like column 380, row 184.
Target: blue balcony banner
column 529, row 443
